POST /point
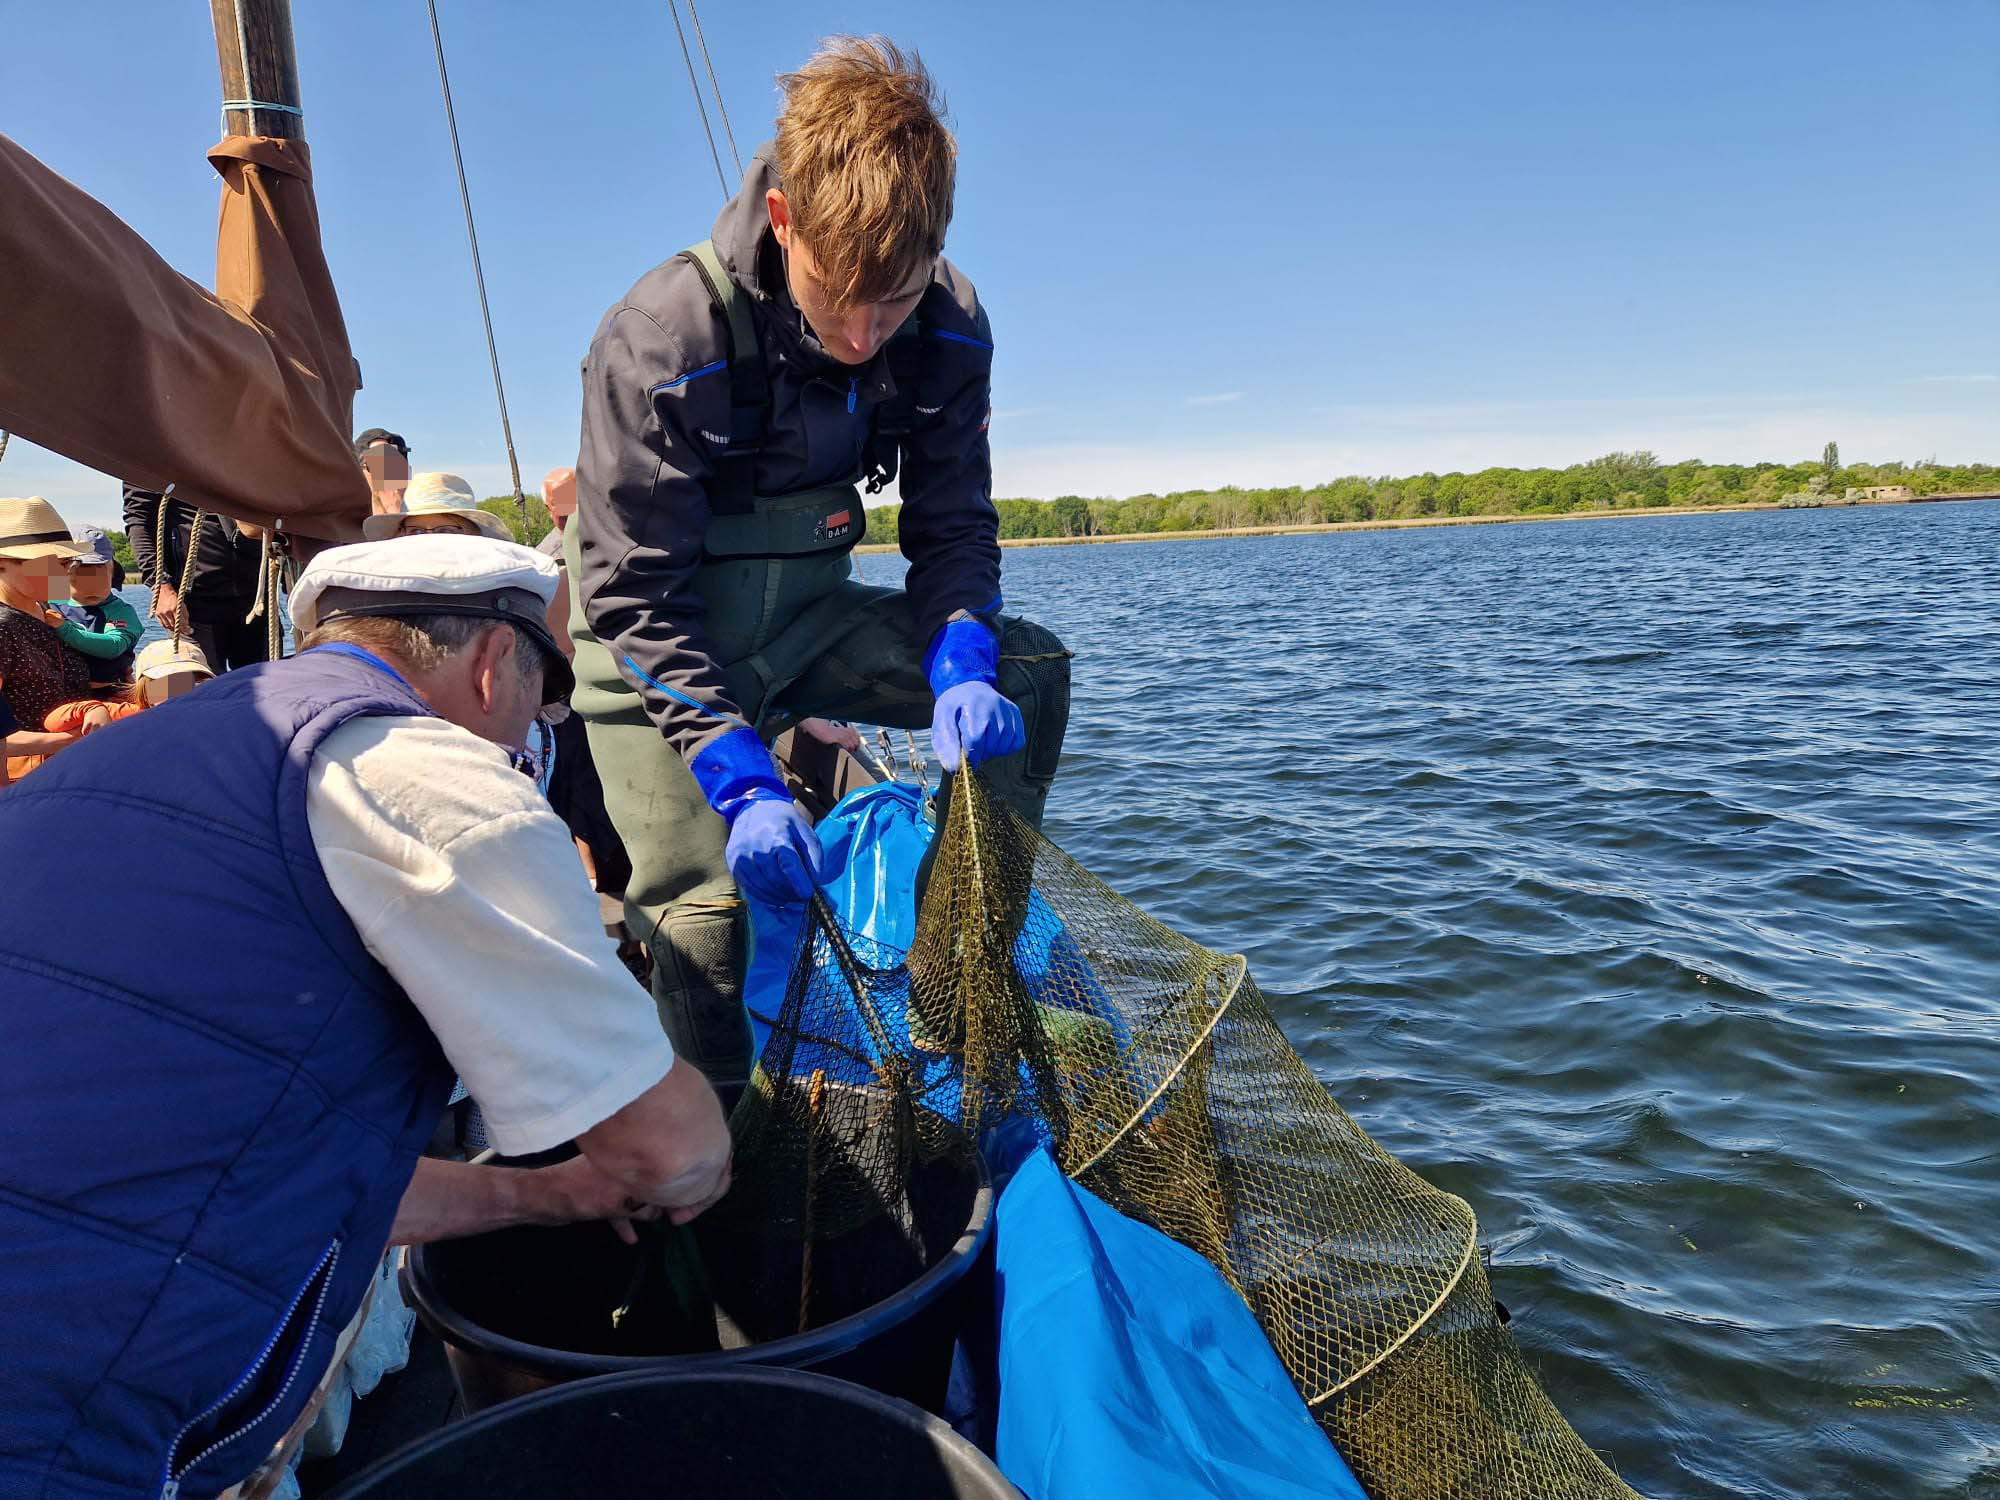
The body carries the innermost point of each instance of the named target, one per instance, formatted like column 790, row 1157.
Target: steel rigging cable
column 720, row 108
column 478, row 273
column 699, row 103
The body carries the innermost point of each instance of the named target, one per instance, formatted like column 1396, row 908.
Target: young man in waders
column 733, row 403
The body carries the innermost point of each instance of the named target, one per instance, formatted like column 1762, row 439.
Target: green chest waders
column 795, row 634
column 778, row 586
column 776, row 579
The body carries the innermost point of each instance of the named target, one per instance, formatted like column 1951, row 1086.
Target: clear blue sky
column 1266, row 243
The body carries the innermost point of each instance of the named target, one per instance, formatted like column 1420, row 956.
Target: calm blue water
column 1636, row 880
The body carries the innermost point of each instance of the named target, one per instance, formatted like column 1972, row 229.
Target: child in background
column 95, row 622
column 164, row 670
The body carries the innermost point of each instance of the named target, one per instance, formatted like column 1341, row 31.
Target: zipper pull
column 170, row 1490
column 853, row 389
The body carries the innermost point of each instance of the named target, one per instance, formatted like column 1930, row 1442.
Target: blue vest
column 207, row 1121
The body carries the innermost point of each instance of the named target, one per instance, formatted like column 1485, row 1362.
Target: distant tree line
column 1617, row 481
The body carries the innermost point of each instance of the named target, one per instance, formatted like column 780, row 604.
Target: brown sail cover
column 243, row 397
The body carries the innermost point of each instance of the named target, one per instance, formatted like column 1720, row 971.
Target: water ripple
column 1633, row 879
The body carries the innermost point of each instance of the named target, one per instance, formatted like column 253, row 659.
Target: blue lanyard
column 362, row 654
column 537, row 766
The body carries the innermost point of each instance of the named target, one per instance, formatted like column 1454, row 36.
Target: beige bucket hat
column 435, row 494
column 170, row 659
column 166, row 669
column 31, row 528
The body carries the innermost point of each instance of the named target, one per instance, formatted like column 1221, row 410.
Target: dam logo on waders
column 835, row 526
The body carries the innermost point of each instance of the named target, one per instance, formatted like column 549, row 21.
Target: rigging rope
column 720, row 108
column 267, row 602
column 699, row 103
column 161, row 540
column 478, row 272
column 5, row 439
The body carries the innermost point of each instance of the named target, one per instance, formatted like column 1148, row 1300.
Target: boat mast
column 260, row 70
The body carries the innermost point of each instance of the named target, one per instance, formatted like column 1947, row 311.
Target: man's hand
column 974, row 724
column 448, row 1199
column 575, row 1189
column 167, row 609
column 773, row 852
column 827, row 732
column 670, row 1146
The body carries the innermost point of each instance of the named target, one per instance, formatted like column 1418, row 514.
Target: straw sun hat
column 31, row 528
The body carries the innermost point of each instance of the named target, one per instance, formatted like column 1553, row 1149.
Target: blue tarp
column 874, row 841
column 1127, row 1365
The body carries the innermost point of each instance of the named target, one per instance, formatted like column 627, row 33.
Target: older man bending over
column 213, row 1125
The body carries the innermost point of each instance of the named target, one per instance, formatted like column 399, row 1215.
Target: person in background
column 559, row 499
column 221, row 589
column 733, row 401
column 385, row 459
column 95, row 621
column 351, row 896
column 37, row 671
column 164, row 670
column 574, row 790
column 436, row 502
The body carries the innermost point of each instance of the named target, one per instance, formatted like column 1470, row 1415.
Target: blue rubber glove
column 772, row 852
column 972, row 722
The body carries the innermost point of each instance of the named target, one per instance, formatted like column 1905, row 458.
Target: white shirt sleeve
column 466, row 887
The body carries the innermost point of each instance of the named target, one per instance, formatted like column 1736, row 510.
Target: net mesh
column 853, row 1176
column 1154, row 1071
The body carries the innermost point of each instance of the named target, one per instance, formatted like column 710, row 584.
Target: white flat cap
column 436, row 573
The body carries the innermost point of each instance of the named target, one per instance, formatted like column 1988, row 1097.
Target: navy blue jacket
column 208, row 1122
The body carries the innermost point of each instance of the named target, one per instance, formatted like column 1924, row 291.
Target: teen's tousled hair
column 867, row 165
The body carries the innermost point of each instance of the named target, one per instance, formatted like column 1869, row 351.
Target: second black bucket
column 522, row 1309
column 738, row 1435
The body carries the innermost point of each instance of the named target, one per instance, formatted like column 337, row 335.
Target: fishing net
column 853, row 1178
column 1153, row 1070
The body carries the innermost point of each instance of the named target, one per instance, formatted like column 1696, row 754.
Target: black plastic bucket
column 522, row 1309
column 762, row 1433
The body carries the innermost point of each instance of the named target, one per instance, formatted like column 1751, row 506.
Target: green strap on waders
column 733, row 488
